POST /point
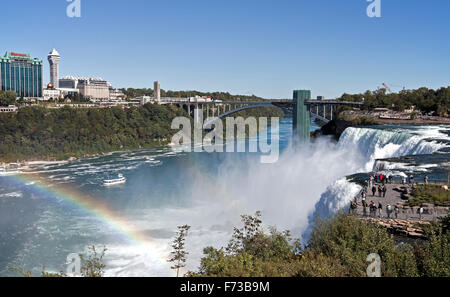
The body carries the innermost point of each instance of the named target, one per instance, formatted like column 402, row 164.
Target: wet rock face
column 336, row 127
column 329, row 129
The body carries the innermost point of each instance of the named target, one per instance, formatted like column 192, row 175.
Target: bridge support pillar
column 302, row 120
column 198, row 114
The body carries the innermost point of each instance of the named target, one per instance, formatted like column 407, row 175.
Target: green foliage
column 93, row 265
column 28, row 273
column 349, row 240
column 7, row 98
column 179, row 254
column 338, row 247
column 252, row 253
column 224, row 96
column 358, row 121
column 436, row 255
column 445, row 223
column 433, row 194
column 319, row 265
column 40, row 133
column 424, row 99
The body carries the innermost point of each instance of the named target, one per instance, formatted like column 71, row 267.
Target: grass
column 433, row 194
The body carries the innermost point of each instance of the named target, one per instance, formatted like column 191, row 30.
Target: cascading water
column 207, row 191
column 379, row 143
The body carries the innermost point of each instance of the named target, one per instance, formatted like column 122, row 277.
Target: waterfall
column 381, row 144
column 373, row 144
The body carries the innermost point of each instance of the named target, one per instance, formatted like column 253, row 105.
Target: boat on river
column 115, row 181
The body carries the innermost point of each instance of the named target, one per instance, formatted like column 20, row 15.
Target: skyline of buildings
column 21, row 73
column 15, row 75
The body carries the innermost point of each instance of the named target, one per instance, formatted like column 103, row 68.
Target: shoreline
column 337, row 127
column 53, row 160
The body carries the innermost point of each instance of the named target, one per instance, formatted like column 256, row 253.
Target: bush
column 349, row 240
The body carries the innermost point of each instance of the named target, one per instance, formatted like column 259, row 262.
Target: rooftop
column 54, row 52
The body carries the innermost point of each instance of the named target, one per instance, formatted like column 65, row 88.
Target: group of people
column 380, row 178
column 372, row 207
column 377, row 183
column 381, row 190
column 410, row 180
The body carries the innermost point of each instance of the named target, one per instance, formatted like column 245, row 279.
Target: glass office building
column 22, row 74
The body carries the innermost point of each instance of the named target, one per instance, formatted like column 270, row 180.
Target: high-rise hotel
column 22, row 74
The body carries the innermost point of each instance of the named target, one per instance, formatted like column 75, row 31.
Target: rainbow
column 82, row 201
column 74, row 198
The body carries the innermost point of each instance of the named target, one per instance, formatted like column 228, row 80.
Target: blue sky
column 267, row 48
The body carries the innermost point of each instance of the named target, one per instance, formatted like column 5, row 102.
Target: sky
column 266, row 48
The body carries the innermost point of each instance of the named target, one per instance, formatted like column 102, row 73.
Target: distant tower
column 157, row 91
column 54, row 58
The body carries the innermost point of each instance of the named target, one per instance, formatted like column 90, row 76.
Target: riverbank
column 386, row 116
column 337, row 127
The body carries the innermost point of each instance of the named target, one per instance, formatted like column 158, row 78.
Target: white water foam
column 380, row 144
column 377, row 144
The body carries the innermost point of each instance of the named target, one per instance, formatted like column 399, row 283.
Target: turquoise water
column 165, row 189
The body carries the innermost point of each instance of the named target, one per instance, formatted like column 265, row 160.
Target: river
column 58, row 209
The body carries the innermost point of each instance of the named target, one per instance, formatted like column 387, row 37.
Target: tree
column 93, row 265
column 178, row 255
column 349, row 240
column 7, row 98
column 252, row 252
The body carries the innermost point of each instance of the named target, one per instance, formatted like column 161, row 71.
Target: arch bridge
column 302, row 107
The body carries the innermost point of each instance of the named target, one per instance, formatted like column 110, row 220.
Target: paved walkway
column 393, row 197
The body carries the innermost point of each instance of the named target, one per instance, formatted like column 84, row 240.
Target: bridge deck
column 265, row 102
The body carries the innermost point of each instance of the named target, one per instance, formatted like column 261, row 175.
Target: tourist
column 411, row 179
column 380, row 190
column 353, row 207
column 403, row 180
column 380, row 209
column 374, row 190
column 364, row 208
column 384, row 191
column 371, row 207
column 396, row 211
column 425, row 179
column 420, row 213
column 388, row 211
column 390, row 178
column 371, row 181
